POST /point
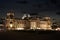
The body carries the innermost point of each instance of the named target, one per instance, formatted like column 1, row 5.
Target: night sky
column 42, row 7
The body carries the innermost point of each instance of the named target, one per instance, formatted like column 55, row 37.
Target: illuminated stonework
column 45, row 25
column 25, row 24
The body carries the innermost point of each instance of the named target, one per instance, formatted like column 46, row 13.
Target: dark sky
column 42, row 7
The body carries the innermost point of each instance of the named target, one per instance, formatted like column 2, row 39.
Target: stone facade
column 26, row 24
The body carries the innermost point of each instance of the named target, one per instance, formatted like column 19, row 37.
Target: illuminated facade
column 45, row 25
column 19, row 24
column 26, row 24
column 9, row 21
column 34, row 23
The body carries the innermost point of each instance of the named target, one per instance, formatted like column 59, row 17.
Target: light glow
column 38, row 28
column 19, row 28
column 11, row 25
column 57, row 29
column 33, row 25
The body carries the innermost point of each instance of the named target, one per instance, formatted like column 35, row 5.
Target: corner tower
column 10, row 21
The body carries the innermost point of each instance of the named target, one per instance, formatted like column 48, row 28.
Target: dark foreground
column 30, row 35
